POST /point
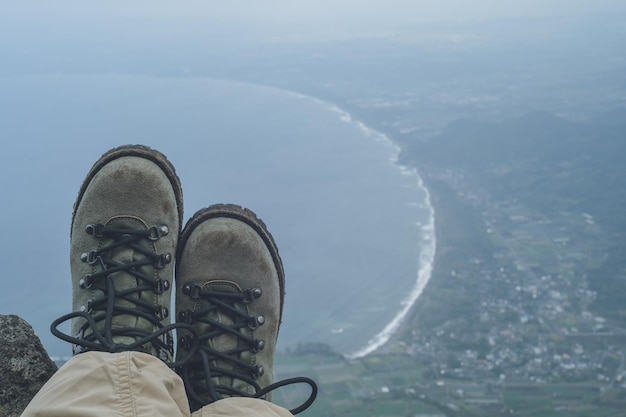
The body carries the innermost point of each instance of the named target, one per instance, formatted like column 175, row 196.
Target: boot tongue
column 227, row 341
column 124, row 280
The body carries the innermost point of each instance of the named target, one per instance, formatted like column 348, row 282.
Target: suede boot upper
column 230, row 285
column 124, row 234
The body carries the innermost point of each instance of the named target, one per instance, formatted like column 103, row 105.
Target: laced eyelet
column 186, row 316
column 161, row 285
column 255, row 322
column 96, row 230
column 86, row 308
column 162, row 313
column 89, row 257
column 163, row 260
column 251, row 294
column 156, row 232
column 86, row 282
column 257, row 346
column 258, row 372
column 193, row 291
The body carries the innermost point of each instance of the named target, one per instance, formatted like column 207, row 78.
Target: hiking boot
column 124, row 233
column 230, row 287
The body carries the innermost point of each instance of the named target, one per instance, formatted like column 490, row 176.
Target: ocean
column 354, row 228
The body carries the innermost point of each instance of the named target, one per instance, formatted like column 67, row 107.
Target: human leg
column 241, row 407
column 125, row 384
column 124, row 234
column 130, row 384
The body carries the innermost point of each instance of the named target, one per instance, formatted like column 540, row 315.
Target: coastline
column 427, row 259
column 430, row 261
column 427, row 247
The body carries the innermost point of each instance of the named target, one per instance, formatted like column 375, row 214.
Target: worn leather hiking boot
column 230, row 287
column 124, row 233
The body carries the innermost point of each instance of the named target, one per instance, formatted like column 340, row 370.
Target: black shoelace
column 200, row 373
column 98, row 333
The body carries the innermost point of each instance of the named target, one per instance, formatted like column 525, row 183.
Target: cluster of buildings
column 532, row 320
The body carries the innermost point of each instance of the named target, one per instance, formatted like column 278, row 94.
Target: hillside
column 550, row 165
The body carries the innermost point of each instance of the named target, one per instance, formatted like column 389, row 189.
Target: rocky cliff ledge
column 24, row 365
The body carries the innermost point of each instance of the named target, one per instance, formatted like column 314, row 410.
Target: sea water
column 355, row 229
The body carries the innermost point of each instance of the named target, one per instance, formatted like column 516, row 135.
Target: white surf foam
column 427, row 244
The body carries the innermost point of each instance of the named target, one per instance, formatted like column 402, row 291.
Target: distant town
column 524, row 313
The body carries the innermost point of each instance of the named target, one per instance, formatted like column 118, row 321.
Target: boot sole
column 246, row 216
column 139, row 151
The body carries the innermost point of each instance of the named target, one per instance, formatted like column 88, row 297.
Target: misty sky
column 400, row 11
column 38, row 24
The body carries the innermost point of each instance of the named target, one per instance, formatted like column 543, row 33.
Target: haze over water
column 352, row 226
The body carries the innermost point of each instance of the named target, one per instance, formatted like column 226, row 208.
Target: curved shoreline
column 424, row 273
column 427, row 246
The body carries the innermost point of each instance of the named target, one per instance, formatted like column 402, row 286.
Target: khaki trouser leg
column 111, row 384
column 242, row 407
column 129, row 384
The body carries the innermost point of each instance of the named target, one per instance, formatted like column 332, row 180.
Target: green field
column 394, row 386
